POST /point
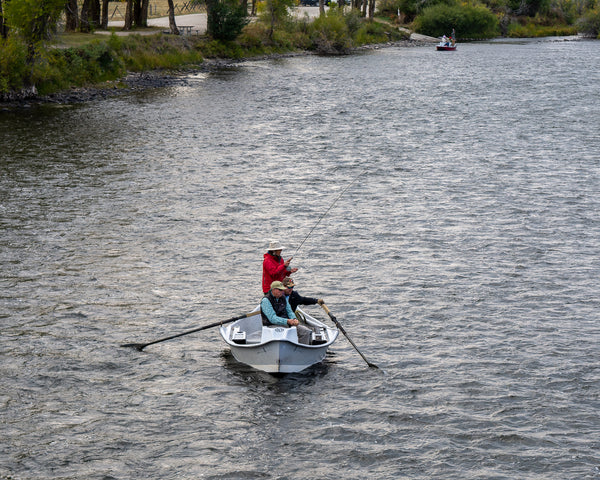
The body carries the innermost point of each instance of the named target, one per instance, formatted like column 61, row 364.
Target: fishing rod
column 330, row 207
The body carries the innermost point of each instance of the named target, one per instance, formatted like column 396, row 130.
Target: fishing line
column 330, row 207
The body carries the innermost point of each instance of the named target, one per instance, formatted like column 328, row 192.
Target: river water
column 463, row 259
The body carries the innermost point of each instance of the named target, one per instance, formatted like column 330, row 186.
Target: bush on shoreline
column 589, row 24
column 470, row 21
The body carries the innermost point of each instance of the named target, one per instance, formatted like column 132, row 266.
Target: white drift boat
column 276, row 349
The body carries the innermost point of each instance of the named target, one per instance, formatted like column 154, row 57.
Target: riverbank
column 159, row 78
column 129, row 62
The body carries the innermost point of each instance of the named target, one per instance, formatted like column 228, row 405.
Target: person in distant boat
column 276, row 310
column 274, row 266
column 294, row 298
column 444, row 40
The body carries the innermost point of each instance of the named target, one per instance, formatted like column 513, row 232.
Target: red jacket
column 273, row 269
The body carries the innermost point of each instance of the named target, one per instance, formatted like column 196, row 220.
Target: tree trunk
column 371, row 9
column 365, row 3
column 3, row 28
column 144, row 13
column 137, row 13
column 172, row 25
column 272, row 29
column 321, row 8
column 128, row 15
column 84, row 23
column 104, row 20
column 71, row 16
column 95, row 14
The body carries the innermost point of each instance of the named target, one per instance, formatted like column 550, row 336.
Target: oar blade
column 138, row 346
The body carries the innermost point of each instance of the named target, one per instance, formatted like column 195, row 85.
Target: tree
column 136, row 13
column 226, row 19
column 371, row 8
column 104, row 16
column 90, row 15
column 33, row 20
column 71, row 16
column 128, row 15
column 140, row 13
column 276, row 12
column 172, row 25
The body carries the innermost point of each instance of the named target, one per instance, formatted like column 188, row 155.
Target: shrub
column 472, row 22
column 375, row 32
column 329, row 33
column 589, row 24
column 532, row 30
column 14, row 72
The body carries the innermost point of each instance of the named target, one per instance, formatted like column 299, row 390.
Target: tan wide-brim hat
column 274, row 245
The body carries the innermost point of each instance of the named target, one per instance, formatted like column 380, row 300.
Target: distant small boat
column 276, row 349
column 445, row 47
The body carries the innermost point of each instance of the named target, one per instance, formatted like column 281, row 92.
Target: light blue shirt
column 267, row 309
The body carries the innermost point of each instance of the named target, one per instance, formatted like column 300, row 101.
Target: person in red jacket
column 275, row 268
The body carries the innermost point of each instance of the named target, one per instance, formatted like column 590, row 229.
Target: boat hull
column 276, row 349
column 445, row 48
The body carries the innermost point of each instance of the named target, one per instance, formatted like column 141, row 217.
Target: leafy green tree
column 276, row 12
column 33, row 20
column 226, row 19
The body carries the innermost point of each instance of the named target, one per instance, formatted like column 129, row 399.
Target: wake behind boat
column 276, row 349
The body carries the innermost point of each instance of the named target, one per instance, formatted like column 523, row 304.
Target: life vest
column 278, row 304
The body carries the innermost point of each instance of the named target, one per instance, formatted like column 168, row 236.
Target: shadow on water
column 276, row 382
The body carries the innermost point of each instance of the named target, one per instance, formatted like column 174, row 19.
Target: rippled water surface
column 463, row 260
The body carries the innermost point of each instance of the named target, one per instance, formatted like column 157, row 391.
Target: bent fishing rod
column 333, row 319
column 330, row 207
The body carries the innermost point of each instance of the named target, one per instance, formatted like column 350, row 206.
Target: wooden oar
column 141, row 346
column 341, row 329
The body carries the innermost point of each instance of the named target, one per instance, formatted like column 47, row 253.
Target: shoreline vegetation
column 75, row 66
column 147, row 79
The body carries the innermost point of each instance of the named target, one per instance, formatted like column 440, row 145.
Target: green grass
column 532, row 30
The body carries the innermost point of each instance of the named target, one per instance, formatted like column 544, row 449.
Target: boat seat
column 254, row 337
column 252, row 327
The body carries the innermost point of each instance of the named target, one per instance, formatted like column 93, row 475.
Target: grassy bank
column 79, row 60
